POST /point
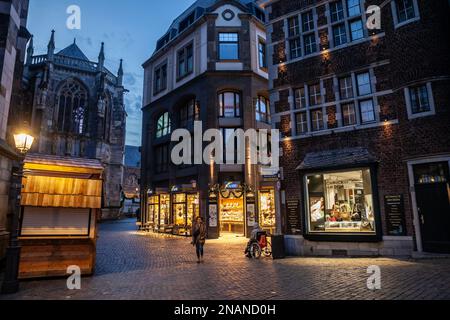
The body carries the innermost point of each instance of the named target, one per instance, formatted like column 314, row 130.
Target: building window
column 263, row 109
column 294, row 27
column 339, row 35
column 405, row 10
column 185, row 61
column 160, row 83
column 229, row 105
column 300, row 98
column 337, row 11
column 302, row 123
column 354, row 8
column 356, row 30
column 310, row 44
column 346, row 88
column 340, row 202
column 317, row 120
column 420, row 101
column 364, row 85
column 72, row 108
column 163, row 126
column 349, row 114
column 228, row 46
column 189, row 113
column 367, row 111
column 315, row 95
column 295, row 48
column 230, row 145
column 162, row 158
column 262, row 55
column 308, row 21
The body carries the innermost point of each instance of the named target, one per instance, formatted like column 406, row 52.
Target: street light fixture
column 23, row 142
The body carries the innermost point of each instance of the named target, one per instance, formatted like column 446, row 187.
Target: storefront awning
column 62, row 182
column 336, row 158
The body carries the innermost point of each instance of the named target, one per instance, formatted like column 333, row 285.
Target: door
column 433, row 206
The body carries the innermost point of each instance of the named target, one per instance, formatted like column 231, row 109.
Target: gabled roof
column 73, row 51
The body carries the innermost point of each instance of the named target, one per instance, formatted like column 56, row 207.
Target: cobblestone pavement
column 135, row 266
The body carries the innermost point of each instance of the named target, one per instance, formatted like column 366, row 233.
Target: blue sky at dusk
column 129, row 29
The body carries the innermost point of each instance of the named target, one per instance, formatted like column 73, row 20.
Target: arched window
column 263, row 109
column 229, row 105
column 189, row 113
column 163, row 126
column 72, row 102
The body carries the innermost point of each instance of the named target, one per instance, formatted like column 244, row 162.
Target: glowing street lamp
column 23, row 143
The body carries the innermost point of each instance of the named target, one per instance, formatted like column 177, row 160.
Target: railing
column 39, row 59
column 67, row 61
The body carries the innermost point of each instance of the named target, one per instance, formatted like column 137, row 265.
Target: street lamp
column 23, row 142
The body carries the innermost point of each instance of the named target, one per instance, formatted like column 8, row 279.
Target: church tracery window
column 72, row 113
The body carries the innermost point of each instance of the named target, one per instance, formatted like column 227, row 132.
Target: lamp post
column 23, row 143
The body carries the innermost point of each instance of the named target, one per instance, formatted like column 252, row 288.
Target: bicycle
column 261, row 247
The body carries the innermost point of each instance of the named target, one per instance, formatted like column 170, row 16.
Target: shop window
column 267, row 216
column 229, row 105
column 340, row 202
column 164, row 212
column 346, row 88
column 300, row 98
column 349, row 114
column 185, row 208
column 228, row 46
column 263, row 110
column 356, row 30
column 302, row 123
column 337, row 11
column 232, row 214
column 339, row 35
column 295, row 47
column 353, row 8
column 315, row 95
column 367, row 111
column 364, row 84
column 153, row 210
column 163, row 126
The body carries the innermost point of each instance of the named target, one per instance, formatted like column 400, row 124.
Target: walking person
column 199, row 238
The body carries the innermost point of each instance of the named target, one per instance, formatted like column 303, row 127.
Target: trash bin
column 278, row 250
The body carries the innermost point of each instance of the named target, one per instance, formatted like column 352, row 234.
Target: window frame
column 431, row 101
column 187, row 53
column 395, row 14
column 301, row 123
column 358, row 85
column 237, row 104
column 166, row 128
column 262, row 54
column 187, row 118
column 220, row 42
column 319, row 121
column 263, row 116
column 363, row 122
column 163, row 76
column 162, row 158
column 353, row 115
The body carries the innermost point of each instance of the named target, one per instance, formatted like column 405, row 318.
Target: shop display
column 341, row 202
column 232, row 215
column 153, row 210
column 267, row 209
column 164, row 213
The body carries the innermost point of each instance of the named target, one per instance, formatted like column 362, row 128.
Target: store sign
column 233, row 185
column 293, row 216
column 395, row 215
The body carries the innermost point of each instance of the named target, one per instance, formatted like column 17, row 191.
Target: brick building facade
column 365, row 122
column 13, row 40
column 209, row 67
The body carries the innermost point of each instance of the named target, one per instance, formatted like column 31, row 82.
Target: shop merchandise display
column 267, row 209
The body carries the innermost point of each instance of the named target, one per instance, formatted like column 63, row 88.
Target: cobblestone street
column 136, row 266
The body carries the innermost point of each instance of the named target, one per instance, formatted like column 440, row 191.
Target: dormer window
column 187, row 22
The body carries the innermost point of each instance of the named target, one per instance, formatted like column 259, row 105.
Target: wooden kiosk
column 61, row 200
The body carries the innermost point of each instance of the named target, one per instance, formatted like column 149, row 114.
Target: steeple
column 120, row 74
column 101, row 58
column 51, row 47
column 30, row 51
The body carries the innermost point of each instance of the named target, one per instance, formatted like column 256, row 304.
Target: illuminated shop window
column 267, row 209
column 340, row 202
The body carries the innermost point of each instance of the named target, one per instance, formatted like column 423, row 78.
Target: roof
column 199, row 7
column 73, row 51
column 336, row 158
column 66, row 164
column 132, row 157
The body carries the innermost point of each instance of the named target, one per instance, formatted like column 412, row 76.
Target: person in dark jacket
column 199, row 238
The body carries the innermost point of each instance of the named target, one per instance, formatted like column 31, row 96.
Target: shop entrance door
column 232, row 216
column 433, row 206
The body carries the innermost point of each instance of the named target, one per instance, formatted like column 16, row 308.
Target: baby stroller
column 259, row 247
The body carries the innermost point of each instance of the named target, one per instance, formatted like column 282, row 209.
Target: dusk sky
column 129, row 29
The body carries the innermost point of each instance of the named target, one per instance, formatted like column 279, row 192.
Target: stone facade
column 210, row 76
column 13, row 39
column 76, row 109
column 400, row 57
